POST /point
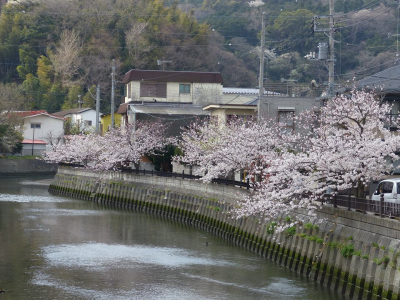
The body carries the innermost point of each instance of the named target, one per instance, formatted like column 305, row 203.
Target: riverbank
column 21, row 167
column 350, row 252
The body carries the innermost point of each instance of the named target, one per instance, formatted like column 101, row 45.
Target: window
column 35, row 125
column 129, row 90
column 88, row 123
column 385, row 187
column 158, row 89
column 184, row 89
column 286, row 117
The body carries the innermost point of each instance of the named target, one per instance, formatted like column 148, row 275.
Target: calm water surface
column 60, row 248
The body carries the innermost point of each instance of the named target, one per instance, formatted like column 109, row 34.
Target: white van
column 390, row 189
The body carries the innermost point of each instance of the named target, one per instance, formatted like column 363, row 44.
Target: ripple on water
column 30, row 198
column 153, row 292
column 100, row 255
column 43, row 182
column 57, row 212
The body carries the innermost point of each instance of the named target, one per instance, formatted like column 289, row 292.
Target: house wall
column 48, row 125
column 89, row 115
column 80, row 118
column 199, row 93
column 223, row 113
column 269, row 106
column 106, row 121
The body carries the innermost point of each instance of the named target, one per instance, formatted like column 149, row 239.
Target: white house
column 37, row 127
column 198, row 88
column 85, row 118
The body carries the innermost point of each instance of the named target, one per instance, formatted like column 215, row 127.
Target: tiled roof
column 387, row 80
column 172, row 76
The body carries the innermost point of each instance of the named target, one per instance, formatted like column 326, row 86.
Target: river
column 55, row 247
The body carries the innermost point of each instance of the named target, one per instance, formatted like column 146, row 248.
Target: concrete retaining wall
column 353, row 253
column 18, row 167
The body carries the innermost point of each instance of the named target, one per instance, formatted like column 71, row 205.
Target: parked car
column 390, row 189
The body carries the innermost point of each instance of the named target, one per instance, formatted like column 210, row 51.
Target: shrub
column 291, row 231
column 311, row 226
column 347, row 251
column 333, row 245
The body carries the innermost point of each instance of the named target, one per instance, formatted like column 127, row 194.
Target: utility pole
column 319, row 27
column 331, row 60
column 112, row 93
column 97, row 108
column 261, row 76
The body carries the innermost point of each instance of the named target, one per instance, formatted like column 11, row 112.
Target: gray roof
column 71, row 111
column 167, row 110
column 387, row 80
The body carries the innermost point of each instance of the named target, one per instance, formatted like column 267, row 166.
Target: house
column 197, row 88
column 281, row 102
column 84, row 118
column 175, row 97
column 387, row 85
column 37, row 128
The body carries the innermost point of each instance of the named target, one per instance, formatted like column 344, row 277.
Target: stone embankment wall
column 19, row 167
column 353, row 253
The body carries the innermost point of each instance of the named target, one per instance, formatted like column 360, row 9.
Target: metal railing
column 291, row 89
column 223, row 181
column 381, row 208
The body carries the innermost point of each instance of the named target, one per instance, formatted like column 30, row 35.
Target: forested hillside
column 56, row 50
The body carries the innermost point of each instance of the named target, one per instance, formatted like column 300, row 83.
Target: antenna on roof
column 162, row 62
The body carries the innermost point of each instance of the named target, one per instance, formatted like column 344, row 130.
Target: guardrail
column 182, row 175
column 381, row 208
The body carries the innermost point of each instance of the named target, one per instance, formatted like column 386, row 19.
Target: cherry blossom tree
column 118, row 147
column 346, row 145
column 219, row 150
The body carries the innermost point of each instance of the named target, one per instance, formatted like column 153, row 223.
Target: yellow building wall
column 106, row 121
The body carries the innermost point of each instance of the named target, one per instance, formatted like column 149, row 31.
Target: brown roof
column 172, row 76
column 123, row 108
